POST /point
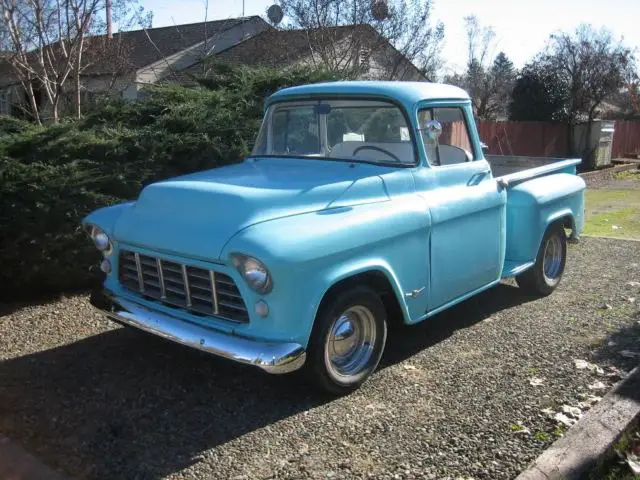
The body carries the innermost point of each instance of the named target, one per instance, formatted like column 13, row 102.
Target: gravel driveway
column 454, row 396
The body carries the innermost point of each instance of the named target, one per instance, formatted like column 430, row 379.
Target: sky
column 522, row 26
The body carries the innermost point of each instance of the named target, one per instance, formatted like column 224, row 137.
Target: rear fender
column 534, row 205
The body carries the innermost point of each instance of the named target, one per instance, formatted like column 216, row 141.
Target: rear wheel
column 546, row 273
column 347, row 342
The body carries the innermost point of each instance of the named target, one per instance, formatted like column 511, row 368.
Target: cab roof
column 406, row 92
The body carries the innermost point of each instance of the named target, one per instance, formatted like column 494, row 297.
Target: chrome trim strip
column 139, row 268
column 273, row 358
column 214, row 292
column 185, row 279
column 163, row 293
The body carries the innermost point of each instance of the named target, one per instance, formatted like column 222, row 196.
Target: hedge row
column 52, row 176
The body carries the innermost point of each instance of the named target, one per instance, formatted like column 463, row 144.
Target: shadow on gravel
column 406, row 341
column 124, row 404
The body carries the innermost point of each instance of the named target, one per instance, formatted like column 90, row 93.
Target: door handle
column 476, row 178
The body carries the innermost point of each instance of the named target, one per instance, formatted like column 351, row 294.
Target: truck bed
column 516, row 169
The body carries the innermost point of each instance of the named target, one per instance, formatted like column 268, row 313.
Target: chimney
column 109, row 23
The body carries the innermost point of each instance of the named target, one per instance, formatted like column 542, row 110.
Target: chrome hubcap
column 552, row 259
column 350, row 343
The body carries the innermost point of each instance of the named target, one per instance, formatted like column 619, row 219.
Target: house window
column 5, row 102
column 453, row 145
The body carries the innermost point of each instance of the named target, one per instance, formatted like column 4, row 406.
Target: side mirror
column 432, row 129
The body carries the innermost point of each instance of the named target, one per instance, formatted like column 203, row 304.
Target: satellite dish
column 379, row 10
column 274, row 13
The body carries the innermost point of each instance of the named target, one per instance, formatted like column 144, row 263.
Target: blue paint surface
column 450, row 230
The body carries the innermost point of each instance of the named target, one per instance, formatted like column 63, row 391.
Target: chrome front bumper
column 271, row 357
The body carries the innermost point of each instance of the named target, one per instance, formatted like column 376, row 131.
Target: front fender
column 309, row 253
column 106, row 217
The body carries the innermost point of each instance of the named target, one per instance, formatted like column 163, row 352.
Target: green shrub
column 52, row 176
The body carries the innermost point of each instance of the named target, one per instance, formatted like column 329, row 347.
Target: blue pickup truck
column 361, row 203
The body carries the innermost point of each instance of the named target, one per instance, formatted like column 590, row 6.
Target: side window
column 296, row 131
column 453, row 145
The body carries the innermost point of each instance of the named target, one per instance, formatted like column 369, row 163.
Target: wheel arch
column 378, row 279
column 564, row 217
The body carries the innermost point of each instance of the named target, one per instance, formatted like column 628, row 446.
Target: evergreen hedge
column 52, row 176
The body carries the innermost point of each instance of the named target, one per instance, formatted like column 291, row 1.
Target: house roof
column 147, row 46
column 134, row 49
column 407, row 92
column 275, row 48
column 278, row 48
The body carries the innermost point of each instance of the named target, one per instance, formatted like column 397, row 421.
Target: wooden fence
column 547, row 139
column 626, row 138
column 536, row 139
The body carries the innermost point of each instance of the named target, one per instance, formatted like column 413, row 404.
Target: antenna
column 275, row 14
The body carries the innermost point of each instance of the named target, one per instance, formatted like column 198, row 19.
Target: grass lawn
column 615, row 212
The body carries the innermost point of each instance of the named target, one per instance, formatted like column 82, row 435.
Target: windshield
column 351, row 130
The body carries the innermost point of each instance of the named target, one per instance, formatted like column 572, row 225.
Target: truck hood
column 195, row 215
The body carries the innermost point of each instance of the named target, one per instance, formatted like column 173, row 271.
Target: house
column 359, row 49
column 133, row 59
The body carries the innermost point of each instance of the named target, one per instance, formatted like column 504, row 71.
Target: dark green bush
column 52, row 176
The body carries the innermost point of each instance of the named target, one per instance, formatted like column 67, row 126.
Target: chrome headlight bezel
column 254, row 272
column 100, row 239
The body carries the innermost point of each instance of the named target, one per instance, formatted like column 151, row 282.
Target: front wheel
column 546, row 273
column 347, row 342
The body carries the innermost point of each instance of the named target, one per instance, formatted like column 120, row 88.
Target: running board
column 511, row 269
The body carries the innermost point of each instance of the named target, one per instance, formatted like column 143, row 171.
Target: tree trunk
column 54, row 110
column 78, row 98
column 32, row 101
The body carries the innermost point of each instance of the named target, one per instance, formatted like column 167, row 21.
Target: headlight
column 100, row 239
column 254, row 272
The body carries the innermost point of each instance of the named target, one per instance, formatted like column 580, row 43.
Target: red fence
column 536, row 139
column 626, row 138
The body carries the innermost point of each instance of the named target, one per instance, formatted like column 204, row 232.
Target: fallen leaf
column 633, row 463
column 633, row 284
column 562, row 418
column 597, row 386
column 409, row 367
column 573, row 412
column 584, row 365
column 548, row 412
column 615, row 227
column 523, row 430
column 590, row 401
column 535, row 381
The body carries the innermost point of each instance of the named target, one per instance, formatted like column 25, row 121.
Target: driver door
column 467, row 209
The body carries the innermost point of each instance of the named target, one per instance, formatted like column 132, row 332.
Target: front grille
column 195, row 289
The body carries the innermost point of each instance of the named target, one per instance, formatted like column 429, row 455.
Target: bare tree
column 49, row 42
column 593, row 66
column 404, row 24
column 489, row 83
